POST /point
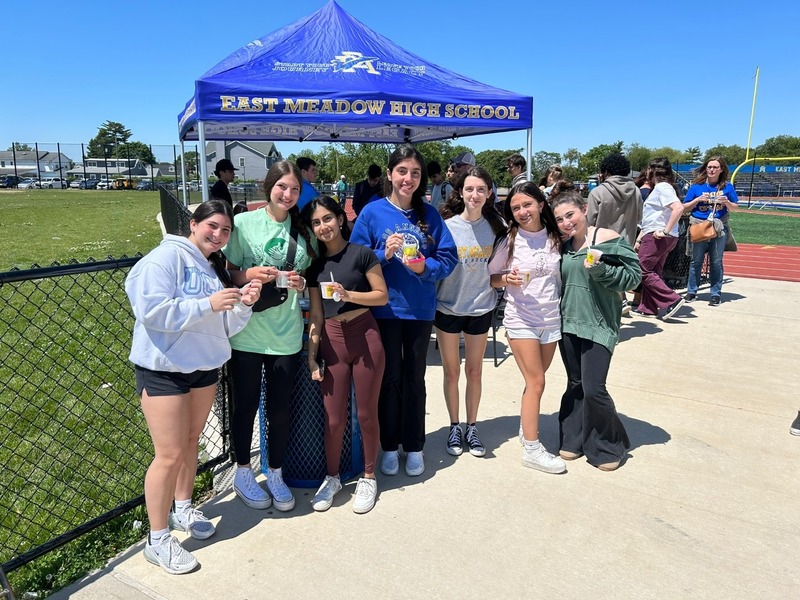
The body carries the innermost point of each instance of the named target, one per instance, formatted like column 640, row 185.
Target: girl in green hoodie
column 596, row 265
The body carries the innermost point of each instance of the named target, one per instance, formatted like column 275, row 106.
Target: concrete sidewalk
column 706, row 505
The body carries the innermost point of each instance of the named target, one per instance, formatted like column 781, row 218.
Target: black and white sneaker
column 474, row 442
column 795, row 428
column 672, row 309
column 455, row 441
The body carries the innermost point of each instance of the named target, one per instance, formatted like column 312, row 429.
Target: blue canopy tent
column 329, row 78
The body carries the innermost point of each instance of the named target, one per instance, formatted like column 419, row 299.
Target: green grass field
column 58, row 225
column 754, row 227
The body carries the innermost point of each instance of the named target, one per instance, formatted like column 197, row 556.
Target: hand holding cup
column 225, row 299
column 592, row 257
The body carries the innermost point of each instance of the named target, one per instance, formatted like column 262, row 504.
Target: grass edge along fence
column 73, row 443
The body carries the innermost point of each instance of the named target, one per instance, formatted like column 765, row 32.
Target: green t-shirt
column 257, row 240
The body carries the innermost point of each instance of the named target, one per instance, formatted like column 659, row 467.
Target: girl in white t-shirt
column 658, row 236
column 526, row 263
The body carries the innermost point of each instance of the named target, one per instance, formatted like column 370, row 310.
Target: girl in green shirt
column 596, row 265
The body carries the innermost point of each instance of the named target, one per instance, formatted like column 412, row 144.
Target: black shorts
column 469, row 325
column 166, row 383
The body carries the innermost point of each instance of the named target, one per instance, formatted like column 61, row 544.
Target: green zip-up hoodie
column 590, row 301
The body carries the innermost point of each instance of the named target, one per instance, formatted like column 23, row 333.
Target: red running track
column 781, row 263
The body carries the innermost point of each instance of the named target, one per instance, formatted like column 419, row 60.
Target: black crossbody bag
column 270, row 294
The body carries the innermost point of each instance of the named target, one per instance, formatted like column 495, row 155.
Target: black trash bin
column 305, row 465
column 676, row 267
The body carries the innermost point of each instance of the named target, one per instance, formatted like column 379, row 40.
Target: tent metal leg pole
column 183, row 174
column 528, row 155
column 201, row 131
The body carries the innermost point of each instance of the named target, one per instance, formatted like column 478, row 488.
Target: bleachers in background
column 768, row 184
column 771, row 185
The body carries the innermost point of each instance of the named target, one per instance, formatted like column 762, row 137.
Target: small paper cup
column 326, row 288
column 282, row 280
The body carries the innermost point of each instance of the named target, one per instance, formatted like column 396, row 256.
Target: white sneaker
column 415, row 464
column 323, row 499
column 366, row 493
column 247, row 488
column 390, row 464
column 282, row 497
column 170, row 556
column 542, row 460
column 192, row 521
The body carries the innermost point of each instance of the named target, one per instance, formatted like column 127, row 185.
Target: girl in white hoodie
column 186, row 307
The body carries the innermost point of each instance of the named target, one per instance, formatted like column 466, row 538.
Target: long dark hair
column 454, row 205
column 546, row 216
column 330, row 204
column 205, row 211
column 275, row 173
column 701, row 175
column 401, row 153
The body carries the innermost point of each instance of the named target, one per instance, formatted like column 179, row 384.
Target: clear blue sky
column 674, row 74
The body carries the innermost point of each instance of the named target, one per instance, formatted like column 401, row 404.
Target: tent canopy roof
column 329, row 78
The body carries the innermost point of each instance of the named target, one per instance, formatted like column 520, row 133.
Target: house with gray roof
column 29, row 163
column 252, row 159
column 108, row 168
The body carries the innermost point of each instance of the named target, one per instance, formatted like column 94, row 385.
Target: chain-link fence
column 174, row 215
column 135, row 165
column 73, row 442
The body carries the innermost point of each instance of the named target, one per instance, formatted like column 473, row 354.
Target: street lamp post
column 105, row 161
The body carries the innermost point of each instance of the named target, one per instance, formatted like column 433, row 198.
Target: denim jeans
column 715, row 249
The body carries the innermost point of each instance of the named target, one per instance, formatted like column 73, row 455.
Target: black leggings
column 279, row 372
column 588, row 421
column 401, row 406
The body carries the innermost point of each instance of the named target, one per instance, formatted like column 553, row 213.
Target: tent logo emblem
column 348, row 62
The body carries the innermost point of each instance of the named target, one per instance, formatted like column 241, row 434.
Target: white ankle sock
column 182, row 505
column 531, row 445
column 157, row 535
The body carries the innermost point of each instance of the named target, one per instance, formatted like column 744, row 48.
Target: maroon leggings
column 352, row 351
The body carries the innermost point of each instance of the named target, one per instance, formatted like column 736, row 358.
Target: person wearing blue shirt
column 308, row 171
column 415, row 250
column 710, row 190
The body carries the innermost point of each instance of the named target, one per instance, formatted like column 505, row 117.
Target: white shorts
column 545, row 336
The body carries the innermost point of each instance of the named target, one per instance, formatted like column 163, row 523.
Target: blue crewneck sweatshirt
column 411, row 296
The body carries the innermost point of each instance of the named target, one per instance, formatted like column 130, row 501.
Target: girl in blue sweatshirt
column 415, row 250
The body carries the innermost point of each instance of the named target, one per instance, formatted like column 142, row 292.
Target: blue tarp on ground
column 329, row 78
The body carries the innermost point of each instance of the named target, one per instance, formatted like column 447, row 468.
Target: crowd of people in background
column 560, row 265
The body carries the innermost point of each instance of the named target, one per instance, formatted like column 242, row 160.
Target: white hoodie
column 176, row 330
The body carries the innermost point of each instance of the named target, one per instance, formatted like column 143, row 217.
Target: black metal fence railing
column 73, row 443
column 174, row 214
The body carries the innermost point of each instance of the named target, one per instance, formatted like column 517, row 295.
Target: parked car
column 244, row 188
column 89, row 184
column 105, row 184
column 28, row 184
column 49, row 183
column 144, row 185
column 9, row 181
column 75, row 184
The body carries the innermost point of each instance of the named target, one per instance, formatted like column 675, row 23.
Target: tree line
column 353, row 160
column 113, row 139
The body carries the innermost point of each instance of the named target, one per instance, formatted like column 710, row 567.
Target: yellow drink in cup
column 326, row 288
